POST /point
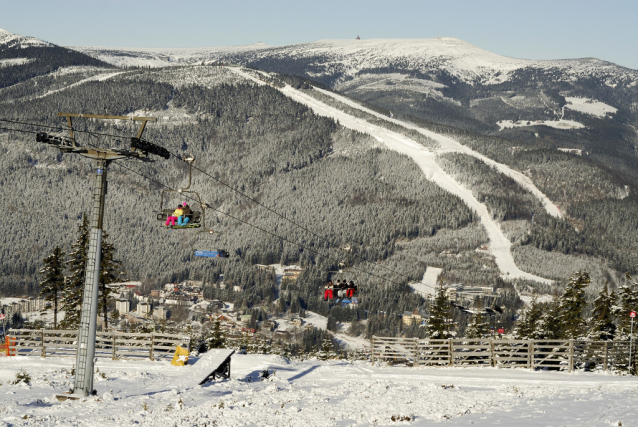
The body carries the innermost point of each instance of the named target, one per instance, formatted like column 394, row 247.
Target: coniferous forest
column 287, row 186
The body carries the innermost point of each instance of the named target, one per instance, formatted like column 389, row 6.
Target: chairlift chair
column 199, row 218
column 212, row 253
column 344, row 271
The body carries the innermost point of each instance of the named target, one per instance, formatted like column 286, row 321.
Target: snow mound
column 589, row 106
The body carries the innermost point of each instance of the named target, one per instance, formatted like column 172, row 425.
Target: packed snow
column 556, row 124
column 499, row 245
column 589, row 106
column 312, row 393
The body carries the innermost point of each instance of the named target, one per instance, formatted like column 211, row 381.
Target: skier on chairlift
column 170, row 221
column 187, row 215
column 351, row 290
column 328, row 294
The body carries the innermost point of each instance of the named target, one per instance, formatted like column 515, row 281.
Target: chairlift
column 198, row 218
column 212, row 253
column 345, row 294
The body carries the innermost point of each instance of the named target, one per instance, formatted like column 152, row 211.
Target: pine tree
column 327, row 349
column 218, row 340
column 528, row 326
column 110, row 272
column 437, row 324
column 627, row 302
column 53, row 280
column 74, row 289
column 551, row 325
column 573, row 304
column 602, row 321
column 479, row 328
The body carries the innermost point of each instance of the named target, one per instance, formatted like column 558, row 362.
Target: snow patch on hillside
column 556, row 124
column 428, row 285
column 589, row 106
column 15, row 61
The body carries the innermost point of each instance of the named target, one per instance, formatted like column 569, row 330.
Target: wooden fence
column 533, row 354
column 115, row 345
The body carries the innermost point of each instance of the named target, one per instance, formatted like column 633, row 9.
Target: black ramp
column 215, row 363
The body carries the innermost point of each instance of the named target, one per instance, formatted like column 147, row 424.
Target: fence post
column 416, row 352
column 492, row 358
column 150, row 355
column 451, row 352
column 606, row 355
column 571, row 355
column 530, row 349
column 114, row 354
column 44, row 349
column 372, row 350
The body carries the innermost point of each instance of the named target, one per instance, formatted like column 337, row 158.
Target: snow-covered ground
column 314, row 393
column 499, row 245
column 557, row 124
column 589, row 106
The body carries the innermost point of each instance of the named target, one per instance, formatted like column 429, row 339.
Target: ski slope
column 448, row 144
column 313, row 393
column 499, row 244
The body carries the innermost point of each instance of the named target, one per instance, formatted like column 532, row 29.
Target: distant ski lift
column 212, row 253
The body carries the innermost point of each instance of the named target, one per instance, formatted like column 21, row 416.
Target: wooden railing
column 551, row 354
column 116, row 345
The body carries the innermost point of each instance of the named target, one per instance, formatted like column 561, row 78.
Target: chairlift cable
column 256, row 226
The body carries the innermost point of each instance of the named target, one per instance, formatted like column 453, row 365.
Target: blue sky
column 531, row 29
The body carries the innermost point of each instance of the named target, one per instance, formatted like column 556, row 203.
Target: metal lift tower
column 103, row 157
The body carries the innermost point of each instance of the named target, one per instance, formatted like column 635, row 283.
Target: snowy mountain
column 348, row 58
column 10, row 40
column 435, row 153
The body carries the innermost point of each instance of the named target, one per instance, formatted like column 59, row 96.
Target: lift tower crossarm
column 144, row 120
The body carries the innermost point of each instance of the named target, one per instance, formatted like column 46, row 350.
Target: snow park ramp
column 213, row 364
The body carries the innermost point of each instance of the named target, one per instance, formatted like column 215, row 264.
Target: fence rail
column 533, row 354
column 116, row 345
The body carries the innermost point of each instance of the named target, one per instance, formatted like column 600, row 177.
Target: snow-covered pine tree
column 327, row 349
column 110, row 272
column 573, row 304
column 52, row 282
column 437, row 324
column 602, row 320
column 550, row 326
column 627, row 302
column 76, row 263
column 528, row 325
column 478, row 328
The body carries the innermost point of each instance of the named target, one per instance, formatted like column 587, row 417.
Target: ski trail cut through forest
column 448, row 144
column 499, row 246
column 97, row 77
